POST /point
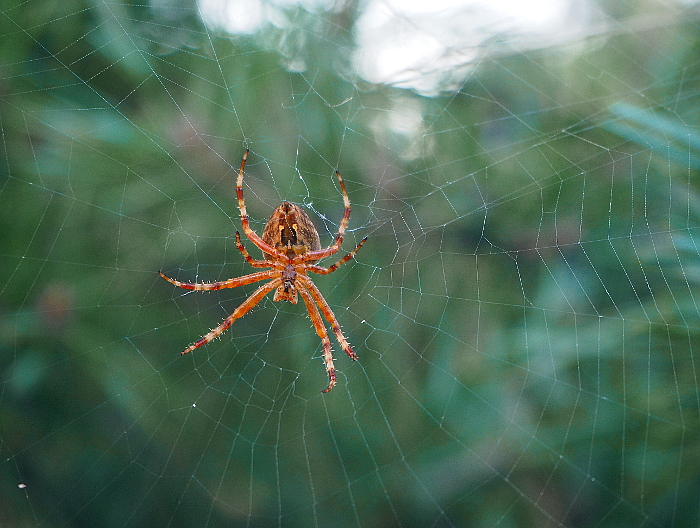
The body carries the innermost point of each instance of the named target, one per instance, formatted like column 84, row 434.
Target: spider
column 290, row 246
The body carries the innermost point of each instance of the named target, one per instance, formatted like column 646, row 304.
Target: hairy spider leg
column 322, row 333
column 250, row 260
column 328, row 314
column 333, row 248
column 330, row 269
column 230, row 283
column 252, row 235
column 239, row 312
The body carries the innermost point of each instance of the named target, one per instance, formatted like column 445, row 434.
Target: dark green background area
column 525, row 310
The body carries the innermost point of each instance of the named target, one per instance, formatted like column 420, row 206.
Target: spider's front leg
column 321, row 331
column 329, row 315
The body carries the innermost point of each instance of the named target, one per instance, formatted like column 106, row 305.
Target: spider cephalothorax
column 290, row 246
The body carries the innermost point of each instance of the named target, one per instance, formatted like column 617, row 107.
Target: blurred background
column 524, row 310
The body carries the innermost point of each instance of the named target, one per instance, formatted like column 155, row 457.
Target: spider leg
column 239, row 312
column 322, row 253
column 252, row 235
column 250, row 260
column 230, row 283
column 321, row 331
column 330, row 269
column 327, row 313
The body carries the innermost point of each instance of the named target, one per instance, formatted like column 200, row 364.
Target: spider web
column 524, row 310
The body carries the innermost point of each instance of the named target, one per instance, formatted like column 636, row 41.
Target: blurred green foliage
column 524, row 311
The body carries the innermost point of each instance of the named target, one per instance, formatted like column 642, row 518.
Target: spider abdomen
column 290, row 231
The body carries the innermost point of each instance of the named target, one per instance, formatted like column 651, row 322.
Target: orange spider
column 290, row 246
